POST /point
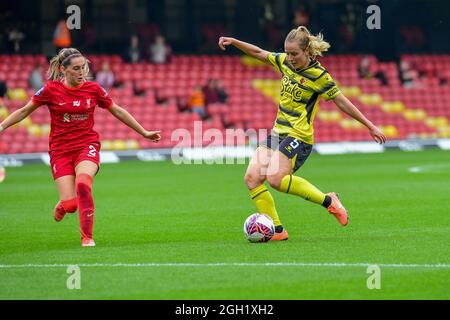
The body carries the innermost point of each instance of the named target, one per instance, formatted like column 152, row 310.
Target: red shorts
column 64, row 163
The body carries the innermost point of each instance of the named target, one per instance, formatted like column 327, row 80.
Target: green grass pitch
column 166, row 231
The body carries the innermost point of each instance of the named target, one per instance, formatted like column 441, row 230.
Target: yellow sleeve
column 326, row 87
column 277, row 59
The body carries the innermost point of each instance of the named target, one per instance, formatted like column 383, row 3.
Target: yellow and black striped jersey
column 301, row 91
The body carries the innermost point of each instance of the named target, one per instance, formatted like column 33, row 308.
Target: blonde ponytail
column 314, row 43
column 53, row 70
column 63, row 58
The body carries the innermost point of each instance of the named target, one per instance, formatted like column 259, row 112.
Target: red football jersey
column 72, row 113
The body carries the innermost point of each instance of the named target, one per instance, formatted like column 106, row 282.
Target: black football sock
column 279, row 229
column 326, row 203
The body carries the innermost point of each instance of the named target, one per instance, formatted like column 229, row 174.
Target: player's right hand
column 377, row 135
column 155, row 136
column 225, row 41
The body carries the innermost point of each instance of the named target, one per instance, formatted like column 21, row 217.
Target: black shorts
column 296, row 150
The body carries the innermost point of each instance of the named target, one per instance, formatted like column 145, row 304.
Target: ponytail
column 63, row 58
column 53, row 72
column 313, row 43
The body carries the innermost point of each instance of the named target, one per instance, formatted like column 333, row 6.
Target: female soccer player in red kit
column 73, row 144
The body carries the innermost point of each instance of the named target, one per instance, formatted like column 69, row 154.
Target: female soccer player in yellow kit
column 303, row 83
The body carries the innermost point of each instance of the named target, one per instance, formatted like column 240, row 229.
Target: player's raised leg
column 254, row 179
column 290, row 156
column 85, row 171
column 280, row 178
column 68, row 198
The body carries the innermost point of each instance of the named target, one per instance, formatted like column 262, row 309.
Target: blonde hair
column 63, row 58
column 314, row 43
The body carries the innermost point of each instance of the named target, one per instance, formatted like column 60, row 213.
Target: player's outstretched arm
column 349, row 108
column 18, row 115
column 124, row 116
column 245, row 47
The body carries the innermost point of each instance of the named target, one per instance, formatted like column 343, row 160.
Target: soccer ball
column 259, row 228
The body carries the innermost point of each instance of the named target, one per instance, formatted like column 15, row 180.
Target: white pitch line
column 433, row 168
column 228, row 264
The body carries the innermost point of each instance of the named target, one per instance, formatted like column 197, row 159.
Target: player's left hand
column 155, row 136
column 377, row 135
column 225, row 41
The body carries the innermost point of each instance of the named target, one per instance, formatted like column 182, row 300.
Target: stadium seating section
column 403, row 113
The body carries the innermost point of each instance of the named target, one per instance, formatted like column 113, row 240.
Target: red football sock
column 86, row 204
column 64, row 206
column 70, row 205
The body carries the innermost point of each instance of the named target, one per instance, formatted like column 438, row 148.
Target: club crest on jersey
column 66, row 117
column 88, row 103
column 77, row 103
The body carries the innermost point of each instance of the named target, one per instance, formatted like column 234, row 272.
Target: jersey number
column 294, row 143
column 92, row 151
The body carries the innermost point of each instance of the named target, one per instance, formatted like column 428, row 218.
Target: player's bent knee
column 253, row 180
column 83, row 184
column 274, row 181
